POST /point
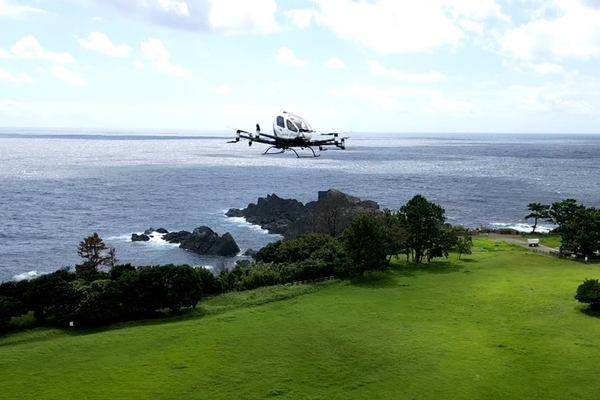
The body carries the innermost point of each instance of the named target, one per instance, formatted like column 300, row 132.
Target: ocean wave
column 25, row 276
column 155, row 239
column 241, row 221
column 523, row 227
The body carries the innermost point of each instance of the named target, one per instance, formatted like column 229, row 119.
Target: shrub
column 589, row 292
column 9, row 307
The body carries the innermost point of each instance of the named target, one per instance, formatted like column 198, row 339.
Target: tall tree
column 537, row 211
column 424, row 223
column 562, row 212
column 94, row 252
column 364, row 241
column 581, row 234
column 395, row 234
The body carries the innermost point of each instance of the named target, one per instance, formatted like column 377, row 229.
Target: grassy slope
column 502, row 324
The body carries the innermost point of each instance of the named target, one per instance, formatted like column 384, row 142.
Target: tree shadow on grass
column 591, row 311
column 434, row 267
column 376, row 280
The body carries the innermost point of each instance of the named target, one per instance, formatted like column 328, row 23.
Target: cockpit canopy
column 293, row 123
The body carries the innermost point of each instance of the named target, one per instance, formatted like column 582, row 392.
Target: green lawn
column 500, row 324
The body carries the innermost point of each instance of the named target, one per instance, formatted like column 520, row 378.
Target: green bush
column 589, row 292
column 9, row 307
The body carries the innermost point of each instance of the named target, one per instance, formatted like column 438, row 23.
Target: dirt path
column 520, row 241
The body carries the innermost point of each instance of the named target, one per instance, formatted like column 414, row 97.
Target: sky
column 506, row 66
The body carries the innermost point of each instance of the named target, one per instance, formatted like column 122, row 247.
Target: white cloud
column 99, row 42
column 403, row 98
column 573, row 33
column 302, row 18
column 286, row 56
column 28, row 48
column 65, row 74
column 390, row 26
column 7, row 9
column 548, row 98
column 335, row 63
column 242, row 16
column 228, row 16
column 158, row 56
column 222, row 90
column 547, row 68
column 21, row 78
column 397, row 75
column 177, row 7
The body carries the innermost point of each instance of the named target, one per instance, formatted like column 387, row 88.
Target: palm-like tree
column 537, row 211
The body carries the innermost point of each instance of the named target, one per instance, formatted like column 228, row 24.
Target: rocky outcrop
column 202, row 240
column 139, row 238
column 331, row 213
column 176, row 237
column 272, row 213
column 250, row 253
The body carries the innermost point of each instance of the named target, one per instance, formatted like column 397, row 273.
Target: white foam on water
column 241, row 221
column 120, row 238
column 523, row 227
column 157, row 240
column 25, row 276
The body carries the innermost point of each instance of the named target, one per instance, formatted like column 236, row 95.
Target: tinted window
column 291, row 126
column 280, row 122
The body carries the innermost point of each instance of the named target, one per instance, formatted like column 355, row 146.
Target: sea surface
column 57, row 187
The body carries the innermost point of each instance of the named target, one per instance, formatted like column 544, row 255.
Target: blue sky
column 348, row 65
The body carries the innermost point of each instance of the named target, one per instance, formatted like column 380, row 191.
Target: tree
column 364, row 241
column 395, row 234
column 425, row 228
column 562, row 212
column 589, row 292
column 581, row 234
column 9, row 307
column 95, row 253
column 537, row 211
column 464, row 242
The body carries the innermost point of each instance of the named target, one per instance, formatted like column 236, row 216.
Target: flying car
column 291, row 132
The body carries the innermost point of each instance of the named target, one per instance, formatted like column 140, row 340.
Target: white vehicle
column 533, row 242
column 290, row 126
column 291, row 131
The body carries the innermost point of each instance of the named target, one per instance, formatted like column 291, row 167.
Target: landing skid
column 282, row 150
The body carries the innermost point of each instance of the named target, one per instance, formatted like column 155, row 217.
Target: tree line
column 99, row 290
column 579, row 226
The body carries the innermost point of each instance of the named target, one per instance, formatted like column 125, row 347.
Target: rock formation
column 330, row 214
column 139, row 238
column 202, row 240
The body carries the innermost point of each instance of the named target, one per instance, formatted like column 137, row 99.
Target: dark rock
column 176, row 237
column 200, row 241
column 225, row 246
column 204, row 240
column 251, row 253
column 148, row 231
column 331, row 213
column 139, row 238
column 272, row 213
column 162, row 230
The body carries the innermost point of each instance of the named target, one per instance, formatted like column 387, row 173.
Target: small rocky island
column 202, row 240
column 331, row 213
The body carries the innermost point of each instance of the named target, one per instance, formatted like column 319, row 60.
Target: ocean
column 57, row 187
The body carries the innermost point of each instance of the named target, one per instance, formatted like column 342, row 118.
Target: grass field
column 500, row 324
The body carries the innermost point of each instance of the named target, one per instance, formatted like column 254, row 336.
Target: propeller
column 330, row 134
